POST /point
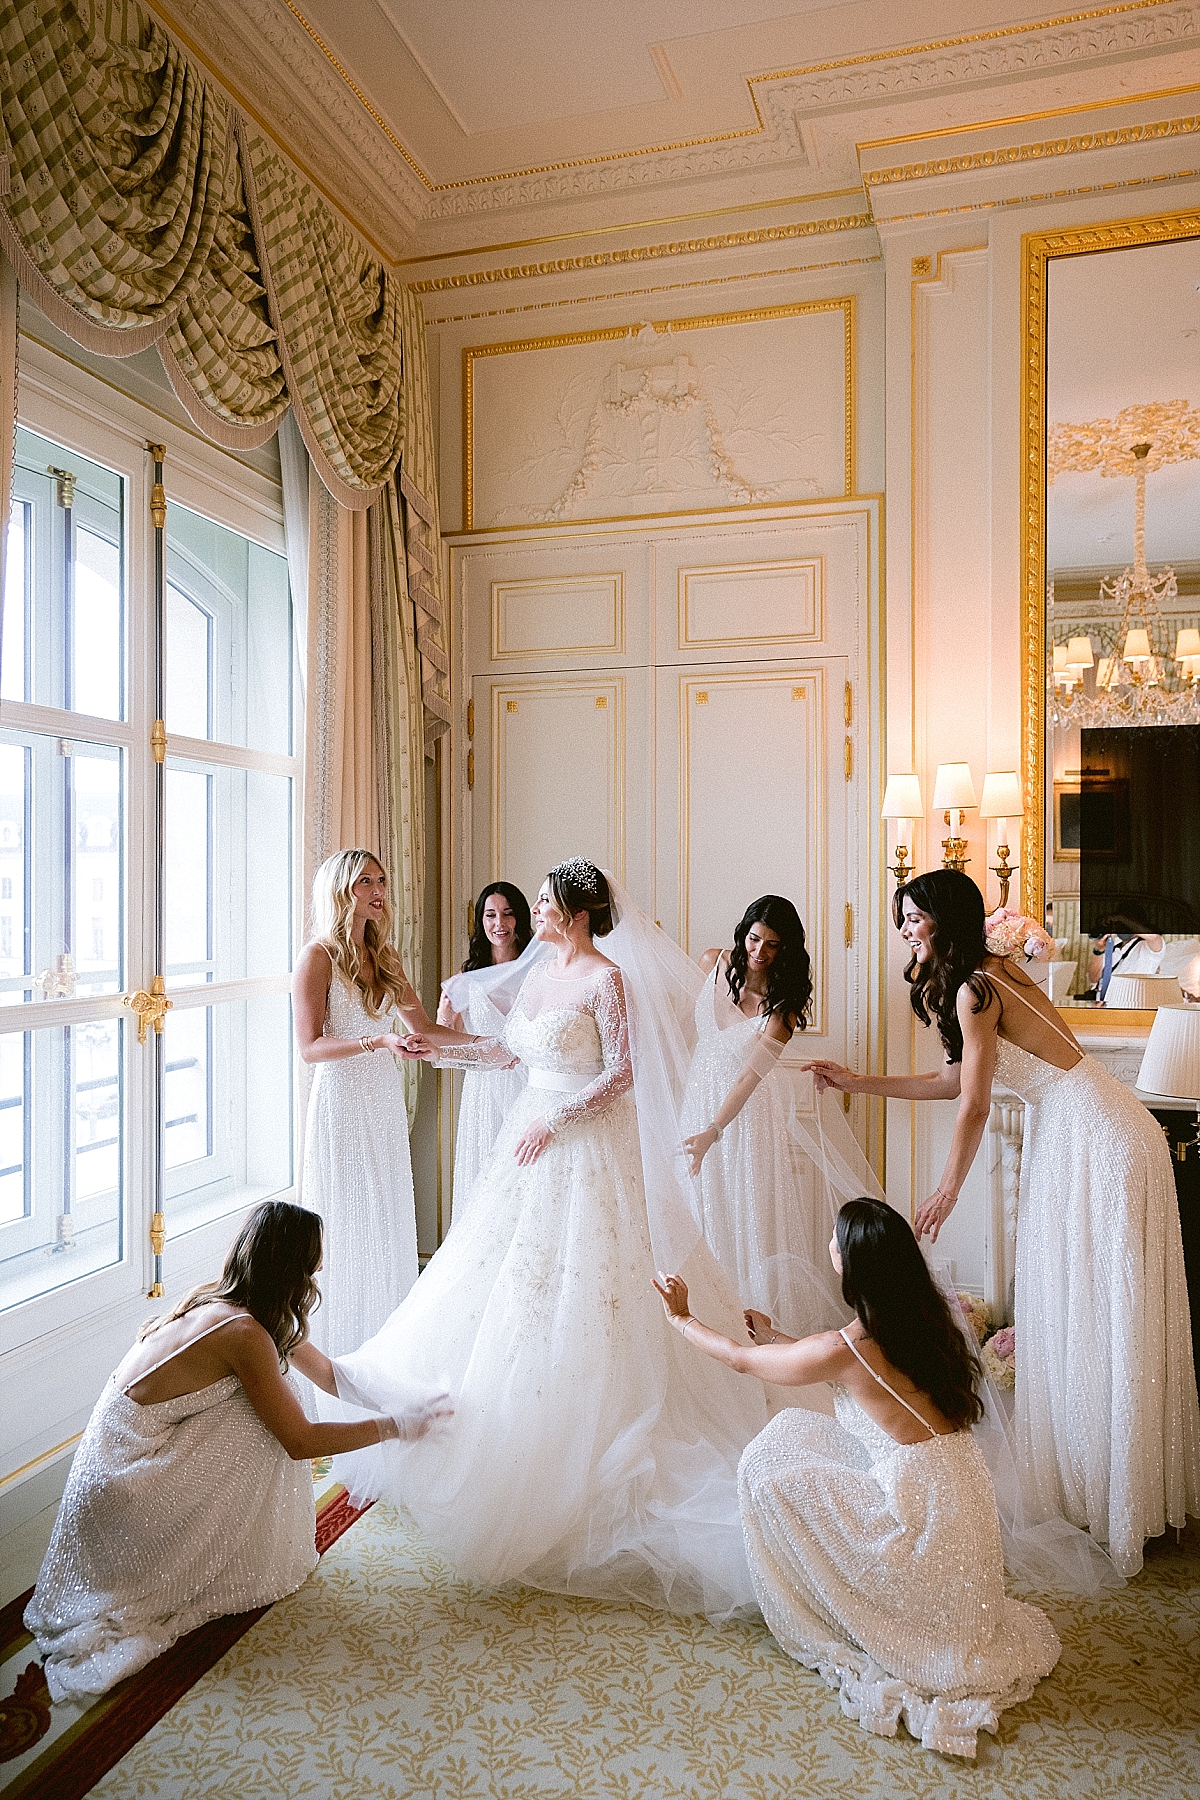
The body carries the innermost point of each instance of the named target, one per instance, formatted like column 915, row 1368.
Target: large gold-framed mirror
column 1111, row 608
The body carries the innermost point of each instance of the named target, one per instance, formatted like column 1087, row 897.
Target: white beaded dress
column 172, row 1514
column 1106, row 1416
column 590, row 1452
column 358, row 1176
column 486, row 1100
column 879, row 1564
column 766, row 1211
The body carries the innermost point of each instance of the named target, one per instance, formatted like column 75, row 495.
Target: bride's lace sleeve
column 606, row 1003
column 480, row 1053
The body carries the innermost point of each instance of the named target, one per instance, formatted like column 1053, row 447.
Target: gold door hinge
column 158, row 741
column 158, row 1243
column 150, row 1008
column 848, row 704
column 849, row 756
column 848, row 925
column 470, row 768
column 845, row 1103
column 470, row 718
column 158, row 493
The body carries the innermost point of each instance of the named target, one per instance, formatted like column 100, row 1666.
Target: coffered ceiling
column 442, row 124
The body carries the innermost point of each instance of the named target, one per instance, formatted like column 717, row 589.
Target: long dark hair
column 579, row 886
column 899, row 1306
column 955, row 905
column 789, row 980
column 479, row 950
column 269, row 1270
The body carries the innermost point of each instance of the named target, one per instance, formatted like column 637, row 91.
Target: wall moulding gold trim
column 507, row 693
column 1038, row 250
column 1117, row 137
column 814, row 566
column 1029, row 118
column 622, row 333
column 609, row 259
column 796, row 271
column 613, row 580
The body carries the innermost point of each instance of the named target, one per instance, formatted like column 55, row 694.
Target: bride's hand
column 531, row 1144
column 830, row 1075
column 409, row 1048
column 933, row 1214
column 697, row 1147
column 758, row 1324
column 673, row 1291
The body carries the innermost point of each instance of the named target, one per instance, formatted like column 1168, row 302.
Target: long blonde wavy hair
column 376, row 964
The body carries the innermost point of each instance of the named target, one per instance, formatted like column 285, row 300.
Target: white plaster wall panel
column 755, row 791
column 562, row 602
column 551, row 775
column 733, row 410
column 764, row 605
column 559, row 616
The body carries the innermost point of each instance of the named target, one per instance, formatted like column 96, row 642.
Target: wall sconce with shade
column 954, row 792
column 902, row 802
column 1171, row 1060
column 1002, row 801
column 1187, row 653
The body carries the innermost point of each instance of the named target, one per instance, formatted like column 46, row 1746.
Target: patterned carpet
column 386, row 1679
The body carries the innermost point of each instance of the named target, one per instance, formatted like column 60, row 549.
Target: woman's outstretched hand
column 932, row 1215
column 673, row 1292
column 532, row 1142
column 830, row 1075
column 697, row 1147
column 412, row 1048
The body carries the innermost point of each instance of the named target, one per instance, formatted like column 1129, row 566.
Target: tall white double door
column 688, row 704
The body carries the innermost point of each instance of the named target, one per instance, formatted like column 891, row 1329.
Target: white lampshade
column 1137, row 645
column 1189, row 667
column 1141, row 993
column 1060, row 658
column 953, row 786
column 1187, row 643
column 1109, row 672
column 902, row 798
column 1079, row 653
column 1001, row 797
column 1171, row 1063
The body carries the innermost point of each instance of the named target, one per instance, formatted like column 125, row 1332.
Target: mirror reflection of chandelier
column 1124, row 669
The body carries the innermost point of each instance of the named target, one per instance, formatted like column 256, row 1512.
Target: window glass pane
column 61, row 868
column 231, row 597
column 227, row 873
column 73, row 558
column 13, row 672
column 61, row 1139
column 228, row 1107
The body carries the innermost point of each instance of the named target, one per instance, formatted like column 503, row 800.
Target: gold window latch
column 151, row 1008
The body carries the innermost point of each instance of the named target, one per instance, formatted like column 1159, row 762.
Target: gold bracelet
column 366, row 1044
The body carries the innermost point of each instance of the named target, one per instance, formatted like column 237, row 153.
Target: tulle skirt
column 592, row 1451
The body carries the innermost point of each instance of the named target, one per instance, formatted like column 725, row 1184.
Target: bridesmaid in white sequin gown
column 873, row 1537
column 1106, row 1413
column 766, row 1215
column 349, row 991
column 190, row 1495
column 589, row 1454
column 503, row 931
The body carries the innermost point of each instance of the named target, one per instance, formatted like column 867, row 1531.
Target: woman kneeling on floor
column 872, row 1537
column 191, row 1492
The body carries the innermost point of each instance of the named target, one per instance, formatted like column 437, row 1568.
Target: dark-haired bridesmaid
column 1108, row 1426
column 477, row 1000
column 765, row 1210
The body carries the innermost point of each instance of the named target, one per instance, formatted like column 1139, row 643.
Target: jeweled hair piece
column 580, row 873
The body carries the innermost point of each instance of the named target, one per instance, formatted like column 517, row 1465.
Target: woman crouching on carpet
column 872, row 1537
column 191, row 1491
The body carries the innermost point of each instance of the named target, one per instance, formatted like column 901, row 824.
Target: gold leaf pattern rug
column 385, row 1678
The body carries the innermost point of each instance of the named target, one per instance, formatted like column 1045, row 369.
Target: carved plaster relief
column 683, row 417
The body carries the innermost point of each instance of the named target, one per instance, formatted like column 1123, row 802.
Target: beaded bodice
column 1025, row 1074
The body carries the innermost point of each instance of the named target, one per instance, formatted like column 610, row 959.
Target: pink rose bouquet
column 1009, row 933
column 999, row 1358
column 976, row 1314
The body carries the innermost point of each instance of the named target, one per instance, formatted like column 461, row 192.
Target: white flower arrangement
column 999, row 1358
column 1009, row 933
column 976, row 1313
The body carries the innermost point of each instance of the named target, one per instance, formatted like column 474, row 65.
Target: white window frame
column 71, row 406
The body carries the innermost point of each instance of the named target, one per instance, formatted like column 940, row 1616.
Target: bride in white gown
column 590, row 1454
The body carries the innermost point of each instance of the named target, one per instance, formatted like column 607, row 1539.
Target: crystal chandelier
column 1139, row 678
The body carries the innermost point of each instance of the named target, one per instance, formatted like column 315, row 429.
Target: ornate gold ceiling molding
column 1130, row 184
column 649, row 293
column 609, row 259
column 1082, row 141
